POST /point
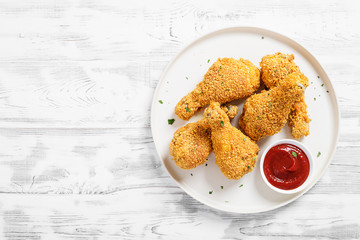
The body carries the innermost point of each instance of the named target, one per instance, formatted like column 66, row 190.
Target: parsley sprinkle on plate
column 171, row 121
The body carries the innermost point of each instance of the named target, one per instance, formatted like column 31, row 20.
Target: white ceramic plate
column 249, row 194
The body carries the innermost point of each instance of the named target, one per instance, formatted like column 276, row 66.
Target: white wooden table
column 77, row 158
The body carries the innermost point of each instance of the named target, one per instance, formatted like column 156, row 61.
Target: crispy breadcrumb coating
column 230, row 110
column 235, row 153
column 299, row 119
column 191, row 144
column 276, row 67
column 264, row 114
column 226, row 80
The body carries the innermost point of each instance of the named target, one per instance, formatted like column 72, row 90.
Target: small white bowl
column 308, row 154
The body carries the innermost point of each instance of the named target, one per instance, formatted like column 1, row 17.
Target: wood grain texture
column 77, row 159
column 118, row 216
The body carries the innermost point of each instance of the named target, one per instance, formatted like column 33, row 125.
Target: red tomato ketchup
column 286, row 166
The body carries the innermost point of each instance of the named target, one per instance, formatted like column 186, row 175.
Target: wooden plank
column 97, row 93
column 75, row 94
column 167, row 212
column 77, row 161
column 110, row 160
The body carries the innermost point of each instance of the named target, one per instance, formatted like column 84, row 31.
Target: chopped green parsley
column 171, row 121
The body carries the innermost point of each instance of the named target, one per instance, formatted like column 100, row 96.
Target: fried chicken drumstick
column 275, row 68
column 235, row 153
column 264, row 114
column 191, row 144
column 226, row 80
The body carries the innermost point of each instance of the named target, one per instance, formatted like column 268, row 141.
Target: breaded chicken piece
column 191, row 144
column 235, row 153
column 299, row 119
column 226, row 80
column 276, row 67
column 264, row 114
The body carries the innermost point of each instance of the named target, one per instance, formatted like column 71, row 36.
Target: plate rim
column 245, row 29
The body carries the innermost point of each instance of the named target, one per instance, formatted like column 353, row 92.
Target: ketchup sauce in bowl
column 286, row 166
